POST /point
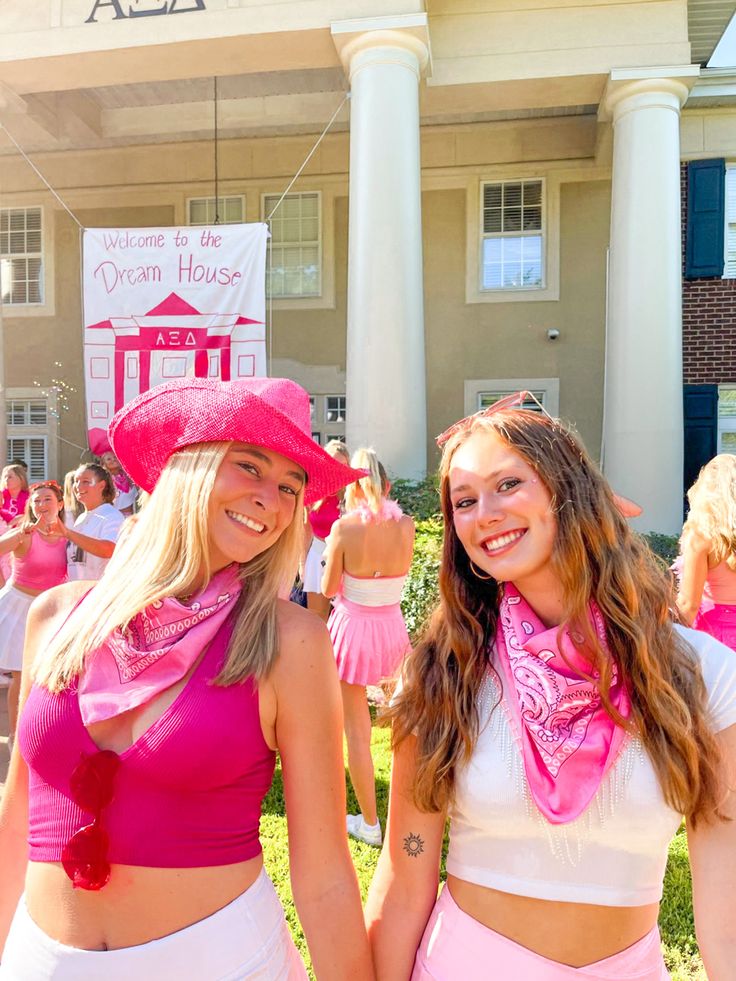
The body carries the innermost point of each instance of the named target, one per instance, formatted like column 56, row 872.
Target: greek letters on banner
column 163, row 303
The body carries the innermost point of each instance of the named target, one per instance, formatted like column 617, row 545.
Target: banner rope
column 32, row 165
column 309, row 156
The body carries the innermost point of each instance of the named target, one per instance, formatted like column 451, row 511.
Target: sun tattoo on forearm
column 413, row 845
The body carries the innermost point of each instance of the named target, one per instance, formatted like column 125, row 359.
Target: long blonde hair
column 371, row 488
column 597, row 556
column 166, row 554
column 713, row 508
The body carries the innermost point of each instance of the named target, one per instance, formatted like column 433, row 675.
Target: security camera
column 552, row 334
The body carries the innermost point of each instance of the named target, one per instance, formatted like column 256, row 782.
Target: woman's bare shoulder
column 59, row 600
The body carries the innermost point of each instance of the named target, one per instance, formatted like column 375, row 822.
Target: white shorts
column 14, row 607
column 247, row 939
column 313, row 567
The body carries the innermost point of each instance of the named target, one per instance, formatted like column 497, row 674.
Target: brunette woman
column 367, row 559
column 563, row 723
column 155, row 702
column 95, row 531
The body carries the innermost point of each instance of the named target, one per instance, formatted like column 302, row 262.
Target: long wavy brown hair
column 596, row 555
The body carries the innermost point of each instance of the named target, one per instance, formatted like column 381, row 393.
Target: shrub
column 421, row 588
column 419, row 498
column 665, row 546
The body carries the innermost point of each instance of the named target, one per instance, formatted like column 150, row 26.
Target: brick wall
column 708, row 322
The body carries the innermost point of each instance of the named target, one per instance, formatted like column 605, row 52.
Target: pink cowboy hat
column 269, row 412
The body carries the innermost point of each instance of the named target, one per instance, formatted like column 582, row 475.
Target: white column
column 643, row 426
column 386, row 399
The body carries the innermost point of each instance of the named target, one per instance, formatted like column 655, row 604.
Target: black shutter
column 700, row 406
column 706, row 186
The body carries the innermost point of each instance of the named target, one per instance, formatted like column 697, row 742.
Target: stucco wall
column 508, row 340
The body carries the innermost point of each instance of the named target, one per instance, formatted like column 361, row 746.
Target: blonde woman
column 320, row 520
column 367, row 558
column 564, row 724
column 707, row 591
column 155, row 703
column 72, row 507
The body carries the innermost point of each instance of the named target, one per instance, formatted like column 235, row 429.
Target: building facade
column 496, row 206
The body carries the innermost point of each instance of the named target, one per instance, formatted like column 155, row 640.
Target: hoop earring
column 478, row 575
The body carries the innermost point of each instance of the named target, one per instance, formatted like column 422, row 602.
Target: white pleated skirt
column 14, row 607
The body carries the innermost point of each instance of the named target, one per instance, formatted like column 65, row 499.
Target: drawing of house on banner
column 124, row 356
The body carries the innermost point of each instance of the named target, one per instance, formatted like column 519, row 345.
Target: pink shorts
column 455, row 947
column 369, row 641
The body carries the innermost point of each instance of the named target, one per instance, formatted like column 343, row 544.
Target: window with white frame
column 729, row 237
column 21, row 256
column 487, row 399
column 26, row 412
column 726, row 419
column 513, row 236
column 296, row 245
column 230, row 210
column 28, row 434
column 335, row 409
column 34, row 451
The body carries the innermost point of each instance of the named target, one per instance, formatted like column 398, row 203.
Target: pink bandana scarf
column 568, row 740
column 156, row 650
column 121, row 481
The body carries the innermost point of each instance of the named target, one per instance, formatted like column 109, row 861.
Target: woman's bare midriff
column 26, row 590
column 576, row 934
column 137, row 905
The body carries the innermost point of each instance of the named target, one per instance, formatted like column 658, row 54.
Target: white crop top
column 381, row 591
column 614, row 854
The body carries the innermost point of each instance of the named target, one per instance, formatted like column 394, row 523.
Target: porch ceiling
column 254, row 104
column 707, row 20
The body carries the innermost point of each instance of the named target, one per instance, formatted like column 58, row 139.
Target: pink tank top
column 43, row 565
column 720, row 585
column 187, row 794
column 324, row 517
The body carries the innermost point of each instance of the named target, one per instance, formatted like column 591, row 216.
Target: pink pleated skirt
column 718, row 620
column 455, row 947
column 369, row 641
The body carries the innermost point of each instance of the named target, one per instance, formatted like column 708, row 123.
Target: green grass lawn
column 676, row 918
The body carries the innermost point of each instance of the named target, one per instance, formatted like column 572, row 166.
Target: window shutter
column 705, row 218
column 700, row 405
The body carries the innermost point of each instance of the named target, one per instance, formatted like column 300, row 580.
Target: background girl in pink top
column 14, row 486
column 707, row 592
column 38, row 562
column 367, row 558
column 320, row 520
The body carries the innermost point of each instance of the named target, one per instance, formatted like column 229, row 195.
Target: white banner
column 162, row 303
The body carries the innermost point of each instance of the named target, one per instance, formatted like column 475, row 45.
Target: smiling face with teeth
column 253, row 501
column 502, row 514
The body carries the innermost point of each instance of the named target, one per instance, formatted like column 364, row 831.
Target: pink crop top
column 720, row 585
column 43, row 565
column 12, row 507
column 323, row 518
column 187, row 794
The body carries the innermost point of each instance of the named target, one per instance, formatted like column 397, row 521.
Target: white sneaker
column 369, row 833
